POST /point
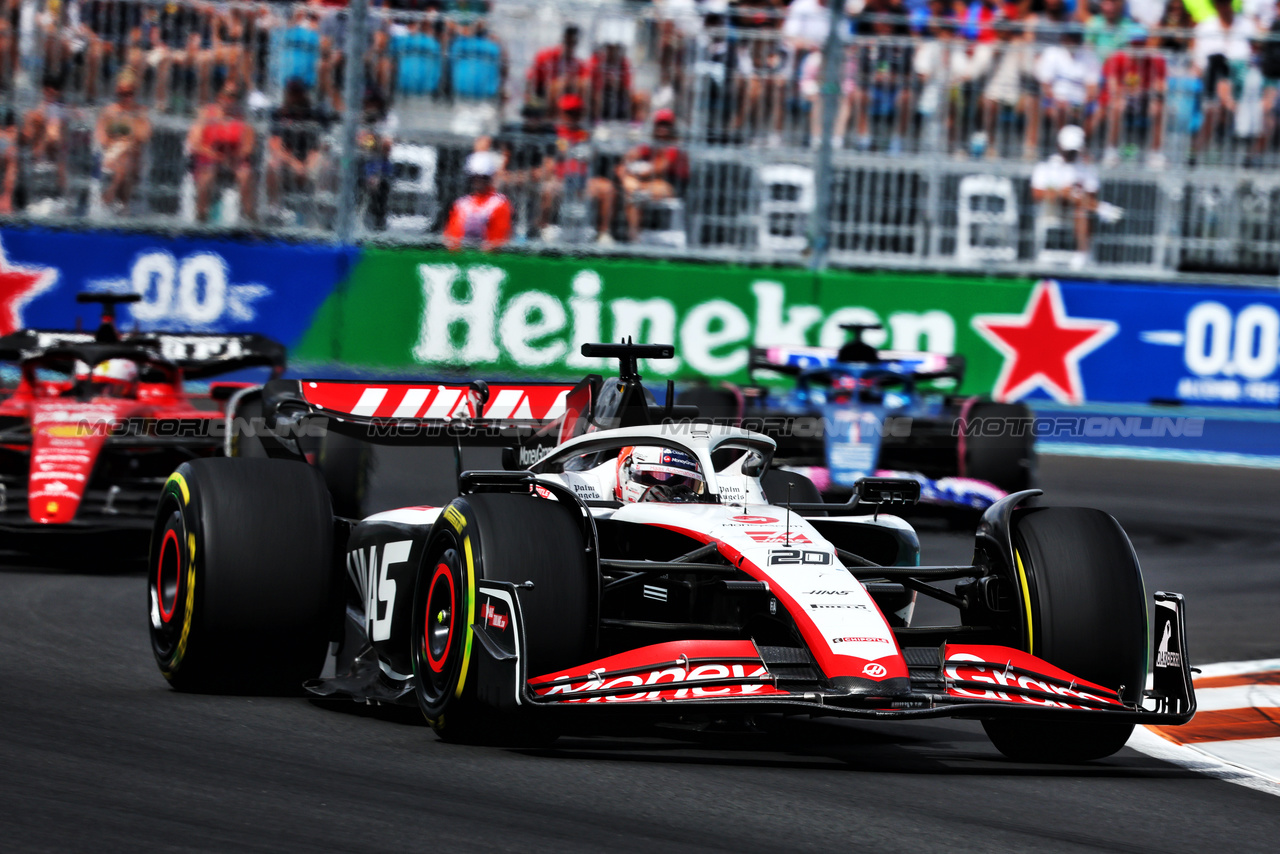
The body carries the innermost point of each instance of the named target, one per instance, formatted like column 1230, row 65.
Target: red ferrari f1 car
column 642, row 565
column 96, row 421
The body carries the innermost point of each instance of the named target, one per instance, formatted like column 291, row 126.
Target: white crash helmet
column 651, row 473
column 120, row 373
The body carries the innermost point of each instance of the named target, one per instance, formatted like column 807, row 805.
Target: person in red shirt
column 556, row 71
column 566, row 171
column 1133, row 88
column 482, row 218
column 608, row 75
column 221, row 145
column 653, row 172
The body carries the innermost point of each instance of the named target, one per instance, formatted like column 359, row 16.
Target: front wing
column 953, row 680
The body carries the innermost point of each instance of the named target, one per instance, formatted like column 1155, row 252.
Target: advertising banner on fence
column 1066, row 341
column 433, row 313
column 429, row 312
column 1204, row 345
column 186, row 284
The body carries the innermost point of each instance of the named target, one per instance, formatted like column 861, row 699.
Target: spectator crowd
column 230, row 111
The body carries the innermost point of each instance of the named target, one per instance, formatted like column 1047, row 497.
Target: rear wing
column 529, row 418
column 427, row 412
column 794, row 361
column 200, row 355
column 203, row 355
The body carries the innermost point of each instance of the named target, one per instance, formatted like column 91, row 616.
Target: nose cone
column 64, row 446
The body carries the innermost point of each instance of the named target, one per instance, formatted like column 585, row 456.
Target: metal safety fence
column 735, row 132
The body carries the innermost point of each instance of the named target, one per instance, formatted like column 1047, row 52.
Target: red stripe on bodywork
column 676, row 670
column 661, row 653
column 992, row 665
column 829, row 662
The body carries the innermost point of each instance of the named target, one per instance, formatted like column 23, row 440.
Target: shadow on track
column 108, row 553
column 826, row 746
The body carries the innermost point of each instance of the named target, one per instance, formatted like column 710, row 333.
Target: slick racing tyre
column 1088, row 615
column 1002, row 457
column 241, row 586
column 498, row 537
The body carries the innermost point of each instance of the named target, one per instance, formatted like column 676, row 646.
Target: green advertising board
column 432, row 312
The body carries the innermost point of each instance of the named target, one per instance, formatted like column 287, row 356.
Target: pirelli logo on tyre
column 455, row 518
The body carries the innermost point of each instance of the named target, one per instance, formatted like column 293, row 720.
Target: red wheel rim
column 168, row 575
column 440, row 618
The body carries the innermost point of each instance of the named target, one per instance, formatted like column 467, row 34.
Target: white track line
column 1187, row 756
column 1231, row 761
column 1235, row 668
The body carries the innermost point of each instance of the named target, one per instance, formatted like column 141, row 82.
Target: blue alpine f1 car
column 855, row 411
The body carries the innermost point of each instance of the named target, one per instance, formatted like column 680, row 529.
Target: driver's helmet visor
column 665, row 467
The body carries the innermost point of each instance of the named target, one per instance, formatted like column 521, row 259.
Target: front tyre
column 1088, row 615
column 241, row 586
column 497, row 537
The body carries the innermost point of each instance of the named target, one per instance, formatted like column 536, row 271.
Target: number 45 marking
column 383, row 589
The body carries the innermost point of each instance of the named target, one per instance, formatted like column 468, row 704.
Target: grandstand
column 916, row 135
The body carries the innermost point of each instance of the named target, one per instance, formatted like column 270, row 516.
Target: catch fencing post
column 353, row 99
column 832, row 67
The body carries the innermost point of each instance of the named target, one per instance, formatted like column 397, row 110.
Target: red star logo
column 1042, row 347
column 19, row 286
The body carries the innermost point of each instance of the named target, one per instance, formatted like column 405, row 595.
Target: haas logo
column 875, row 671
column 1164, row 658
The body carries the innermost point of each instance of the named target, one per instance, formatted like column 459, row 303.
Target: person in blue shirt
column 417, row 58
column 300, row 49
column 477, row 65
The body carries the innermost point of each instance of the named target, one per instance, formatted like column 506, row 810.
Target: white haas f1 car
column 642, row 568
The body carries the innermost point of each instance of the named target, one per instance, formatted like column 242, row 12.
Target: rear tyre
column 1006, row 460
column 498, row 537
column 1088, row 615
column 241, row 586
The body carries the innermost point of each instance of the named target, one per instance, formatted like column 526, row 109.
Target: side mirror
column 478, row 395
column 883, row 492
column 888, row 491
column 753, row 465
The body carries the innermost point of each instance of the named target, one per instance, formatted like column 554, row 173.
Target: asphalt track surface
column 96, row 752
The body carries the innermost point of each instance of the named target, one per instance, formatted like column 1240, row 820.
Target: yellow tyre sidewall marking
column 177, row 480
column 1026, row 599
column 191, row 602
column 181, row 483
column 471, row 615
